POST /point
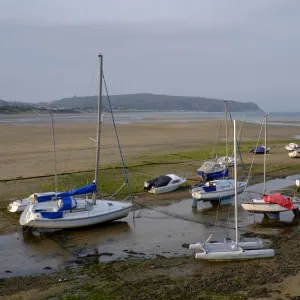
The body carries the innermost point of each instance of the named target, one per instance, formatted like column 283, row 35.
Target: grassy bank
column 149, row 165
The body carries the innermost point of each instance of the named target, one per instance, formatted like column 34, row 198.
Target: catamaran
column 230, row 249
column 70, row 212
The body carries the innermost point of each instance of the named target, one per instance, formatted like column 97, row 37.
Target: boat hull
column 294, row 153
column 212, row 176
column 165, row 189
column 265, row 208
column 218, row 195
column 236, row 255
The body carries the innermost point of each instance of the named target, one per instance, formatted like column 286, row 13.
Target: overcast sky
column 228, row 49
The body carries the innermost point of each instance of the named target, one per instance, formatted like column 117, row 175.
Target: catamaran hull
column 78, row 222
column 235, row 255
column 245, row 245
column 209, row 196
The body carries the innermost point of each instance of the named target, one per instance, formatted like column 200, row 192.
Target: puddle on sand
column 158, row 231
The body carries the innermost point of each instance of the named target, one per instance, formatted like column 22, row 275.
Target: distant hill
column 3, row 103
column 148, row 102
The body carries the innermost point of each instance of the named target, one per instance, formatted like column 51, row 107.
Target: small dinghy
column 164, row 184
column 260, row 150
column 292, row 147
column 20, row 205
column 231, row 250
column 217, row 190
column 226, row 160
column 211, row 170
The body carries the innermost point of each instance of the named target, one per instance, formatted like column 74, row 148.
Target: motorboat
column 217, row 190
column 71, row 212
column 231, row 250
column 260, row 150
column 292, row 147
column 211, row 170
column 294, row 153
column 164, row 184
column 226, row 160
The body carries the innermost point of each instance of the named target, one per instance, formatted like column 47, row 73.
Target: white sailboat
column 221, row 188
column 229, row 249
column 70, row 212
column 273, row 204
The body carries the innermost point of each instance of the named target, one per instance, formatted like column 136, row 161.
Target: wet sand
column 27, row 149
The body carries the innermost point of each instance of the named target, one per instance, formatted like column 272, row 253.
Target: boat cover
column 211, row 167
column 88, row 189
column 259, row 150
column 67, row 204
column 210, row 188
column 162, row 181
column 277, row 198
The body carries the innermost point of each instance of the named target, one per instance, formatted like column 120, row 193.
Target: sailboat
column 216, row 169
column 230, row 249
column 71, row 212
column 221, row 188
column 273, row 204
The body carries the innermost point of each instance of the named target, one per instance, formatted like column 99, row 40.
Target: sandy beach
column 27, row 149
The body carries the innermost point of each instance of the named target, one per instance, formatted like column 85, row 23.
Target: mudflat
column 150, row 149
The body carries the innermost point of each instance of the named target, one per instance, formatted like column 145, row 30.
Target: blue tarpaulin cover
column 88, row 189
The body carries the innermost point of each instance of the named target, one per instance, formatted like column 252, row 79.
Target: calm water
column 134, row 117
column 158, row 231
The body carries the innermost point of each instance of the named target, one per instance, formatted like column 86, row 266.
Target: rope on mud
column 249, row 174
column 178, row 216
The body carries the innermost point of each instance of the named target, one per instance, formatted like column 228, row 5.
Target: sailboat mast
column 226, row 129
column 265, row 153
column 235, row 183
column 54, row 149
column 98, row 124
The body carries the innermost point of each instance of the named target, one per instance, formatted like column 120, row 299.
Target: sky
column 226, row 49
